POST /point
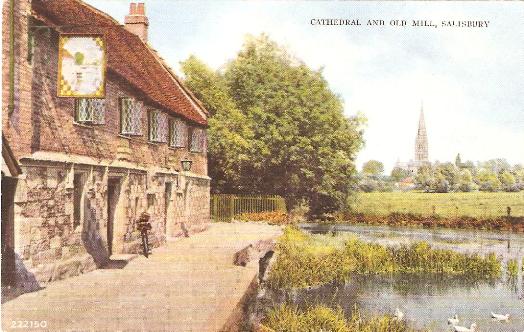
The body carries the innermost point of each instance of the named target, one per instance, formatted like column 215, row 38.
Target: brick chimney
column 137, row 22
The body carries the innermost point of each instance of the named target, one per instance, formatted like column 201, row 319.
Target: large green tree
column 373, row 168
column 276, row 127
column 230, row 133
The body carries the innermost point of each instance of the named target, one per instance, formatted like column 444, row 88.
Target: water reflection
column 429, row 300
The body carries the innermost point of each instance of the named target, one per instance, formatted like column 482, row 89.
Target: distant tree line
column 492, row 175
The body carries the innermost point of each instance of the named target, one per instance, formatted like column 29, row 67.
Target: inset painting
column 81, row 66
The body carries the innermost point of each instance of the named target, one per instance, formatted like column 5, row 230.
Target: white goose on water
column 453, row 320
column 499, row 317
column 472, row 328
column 399, row 315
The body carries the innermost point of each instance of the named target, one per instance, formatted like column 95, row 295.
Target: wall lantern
column 186, row 165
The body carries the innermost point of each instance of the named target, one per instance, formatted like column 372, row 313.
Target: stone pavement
column 187, row 285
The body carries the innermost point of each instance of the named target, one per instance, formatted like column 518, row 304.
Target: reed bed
column 287, row 318
column 512, row 268
column 305, row 260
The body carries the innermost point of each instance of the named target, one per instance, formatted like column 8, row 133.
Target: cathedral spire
column 421, row 142
column 421, row 122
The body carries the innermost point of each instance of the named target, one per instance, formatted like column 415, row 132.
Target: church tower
column 421, row 142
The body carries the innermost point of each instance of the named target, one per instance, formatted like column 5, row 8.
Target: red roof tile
column 127, row 56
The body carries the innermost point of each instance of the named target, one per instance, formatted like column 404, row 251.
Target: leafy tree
column 469, row 165
column 440, row 184
column 79, row 58
column 284, row 121
column 373, row 168
column 497, row 165
column 487, row 180
column 425, row 178
column 398, row 173
column 466, row 183
column 518, row 172
column 447, row 172
column 230, row 132
column 507, row 181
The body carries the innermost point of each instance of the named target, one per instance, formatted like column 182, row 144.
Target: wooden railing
column 227, row 207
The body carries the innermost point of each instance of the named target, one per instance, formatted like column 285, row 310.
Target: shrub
column 299, row 212
column 273, row 218
column 512, row 268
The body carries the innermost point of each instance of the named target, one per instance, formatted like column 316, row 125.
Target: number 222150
column 28, row 324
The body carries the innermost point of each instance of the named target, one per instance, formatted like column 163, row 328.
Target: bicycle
column 144, row 226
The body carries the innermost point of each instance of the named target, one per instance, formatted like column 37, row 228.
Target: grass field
column 477, row 204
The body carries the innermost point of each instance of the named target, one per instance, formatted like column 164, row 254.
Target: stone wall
column 47, row 244
column 51, row 247
column 191, row 207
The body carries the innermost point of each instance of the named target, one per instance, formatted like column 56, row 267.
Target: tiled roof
column 127, row 56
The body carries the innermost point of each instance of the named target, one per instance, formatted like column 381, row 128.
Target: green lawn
column 477, row 204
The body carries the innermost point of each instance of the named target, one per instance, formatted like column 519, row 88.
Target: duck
column 472, row 328
column 453, row 320
column 499, row 317
column 399, row 315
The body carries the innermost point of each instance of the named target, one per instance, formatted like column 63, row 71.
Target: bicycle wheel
column 145, row 244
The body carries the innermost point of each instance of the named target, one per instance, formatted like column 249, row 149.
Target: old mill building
column 77, row 172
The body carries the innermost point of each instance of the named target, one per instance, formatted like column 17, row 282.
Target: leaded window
column 178, row 133
column 198, row 140
column 130, row 116
column 158, row 126
column 90, row 111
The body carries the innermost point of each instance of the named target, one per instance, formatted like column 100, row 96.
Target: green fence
column 227, row 207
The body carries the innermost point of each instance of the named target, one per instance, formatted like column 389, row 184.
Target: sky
column 470, row 81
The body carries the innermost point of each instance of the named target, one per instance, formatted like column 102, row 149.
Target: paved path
column 188, row 285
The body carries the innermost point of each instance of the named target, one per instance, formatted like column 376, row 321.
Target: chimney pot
column 132, row 8
column 137, row 22
column 140, row 10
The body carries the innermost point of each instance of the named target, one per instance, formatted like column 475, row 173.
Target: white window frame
column 158, row 126
column 198, row 140
column 178, row 133
column 90, row 111
column 131, row 112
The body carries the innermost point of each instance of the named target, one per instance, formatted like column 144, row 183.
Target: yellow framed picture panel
column 81, row 66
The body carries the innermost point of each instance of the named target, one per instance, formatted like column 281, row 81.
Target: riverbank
column 426, row 299
column 511, row 224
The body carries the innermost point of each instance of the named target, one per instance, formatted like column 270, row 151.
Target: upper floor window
column 158, row 126
column 89, row 111
column 130, row 116
column 198, row 140
column 178, row 133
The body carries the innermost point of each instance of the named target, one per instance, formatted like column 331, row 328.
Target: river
column 430, row 301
